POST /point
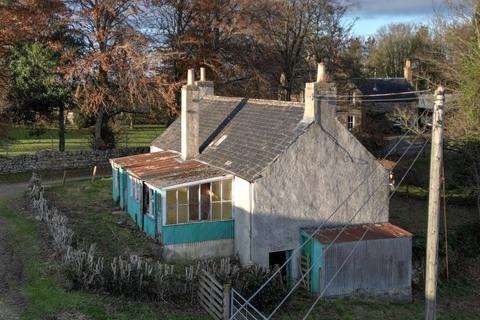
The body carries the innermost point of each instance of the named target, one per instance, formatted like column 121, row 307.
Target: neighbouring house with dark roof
column 367, row 103
column 245, row 177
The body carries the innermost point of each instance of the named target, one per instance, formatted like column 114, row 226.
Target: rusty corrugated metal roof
column 165, row 168
column 355, row 233
column 387, row 164
column 142, row 159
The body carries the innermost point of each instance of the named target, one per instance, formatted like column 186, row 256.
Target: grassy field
column 20, row 140
column 42, row 288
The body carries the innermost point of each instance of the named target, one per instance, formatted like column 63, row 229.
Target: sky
column 372, row 14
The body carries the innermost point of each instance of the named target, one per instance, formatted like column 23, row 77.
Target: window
column 193, row 203
column 135, row 186
column 115, row 179
column 350, row 122
column 197, row 203
column 148, row 202
column 172, row 207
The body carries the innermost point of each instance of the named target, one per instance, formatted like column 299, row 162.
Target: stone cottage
column 367, row 103
column 243, row 177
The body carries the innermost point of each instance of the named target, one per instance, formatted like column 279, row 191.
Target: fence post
column 94, row 173
column 226, row 301
column 64, row 177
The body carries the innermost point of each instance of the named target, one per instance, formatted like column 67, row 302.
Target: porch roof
column 356, row 232
column 164, row 169
column 142, row 159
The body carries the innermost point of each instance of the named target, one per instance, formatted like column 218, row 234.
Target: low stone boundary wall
column 56, row 160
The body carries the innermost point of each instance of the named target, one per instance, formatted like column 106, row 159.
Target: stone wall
column 56, row 160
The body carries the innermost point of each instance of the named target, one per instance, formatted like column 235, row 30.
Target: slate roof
column 372, row 86
column 242, row 136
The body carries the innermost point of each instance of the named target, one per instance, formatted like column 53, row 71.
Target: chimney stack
column 407, row 71
column 190, row 118
column 205, row 87
column 320, row 99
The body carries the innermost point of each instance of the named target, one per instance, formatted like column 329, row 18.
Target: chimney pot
column 321, row 75
column 205, row 87
column 407, row 70
column 190, row 77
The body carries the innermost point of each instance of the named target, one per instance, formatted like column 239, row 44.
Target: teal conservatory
column 177, row 202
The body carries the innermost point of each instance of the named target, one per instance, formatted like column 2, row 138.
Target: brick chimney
column 190, row 117
column 205, row 87
column 407, row 71
column 320, row 99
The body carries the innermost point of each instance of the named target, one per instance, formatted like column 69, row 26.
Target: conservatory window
column 199, row 203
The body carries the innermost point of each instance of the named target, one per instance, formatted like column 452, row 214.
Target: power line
column 381, row 100
column 363, row 235
column 292, row 255
column 384, row 94
column 338, row 235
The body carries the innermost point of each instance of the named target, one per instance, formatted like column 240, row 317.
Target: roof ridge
column 269, row 102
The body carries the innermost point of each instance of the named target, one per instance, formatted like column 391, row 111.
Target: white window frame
column 131, row 185
column 137, row 185
column 199, row 183
column 350, row 116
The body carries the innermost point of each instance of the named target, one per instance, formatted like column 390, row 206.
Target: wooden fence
column 214, row 297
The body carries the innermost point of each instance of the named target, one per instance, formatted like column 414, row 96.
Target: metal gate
column 241, row 309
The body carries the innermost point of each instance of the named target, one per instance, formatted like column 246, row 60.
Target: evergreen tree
column 37, row 90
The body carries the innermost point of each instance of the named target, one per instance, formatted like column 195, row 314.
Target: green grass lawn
column 20, row 141
column 95, row 219
column 42, row 288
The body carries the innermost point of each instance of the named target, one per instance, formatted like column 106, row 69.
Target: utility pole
column 434, row 206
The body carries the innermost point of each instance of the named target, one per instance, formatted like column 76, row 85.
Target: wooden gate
column 214, row 297
column 305, row 264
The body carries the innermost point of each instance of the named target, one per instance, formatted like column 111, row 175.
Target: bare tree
column 112, row 70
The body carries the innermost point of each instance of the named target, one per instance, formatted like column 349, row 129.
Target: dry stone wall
column 56, row 160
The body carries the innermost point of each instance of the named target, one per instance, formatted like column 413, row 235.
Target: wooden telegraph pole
column 434, row 206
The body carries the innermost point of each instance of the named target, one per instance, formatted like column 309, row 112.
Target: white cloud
column 373, row 8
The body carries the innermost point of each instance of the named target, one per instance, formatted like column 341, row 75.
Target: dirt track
column 11, row 268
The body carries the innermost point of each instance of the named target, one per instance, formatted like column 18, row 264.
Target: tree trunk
column 98, row 129
column 478, row 203
column 61, row 128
